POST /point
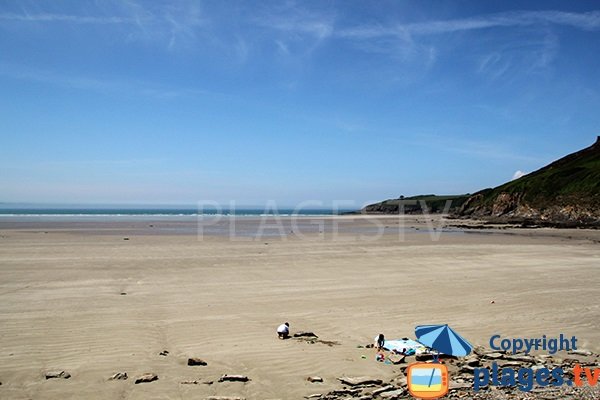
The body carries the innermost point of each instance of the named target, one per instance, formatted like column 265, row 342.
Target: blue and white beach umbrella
column 443, row 339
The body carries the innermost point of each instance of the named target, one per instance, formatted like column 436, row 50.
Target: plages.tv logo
column 427, row 380
column 431, row 380
column 524, row 378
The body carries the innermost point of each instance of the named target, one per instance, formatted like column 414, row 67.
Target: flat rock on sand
column 386, row 388
column 234, row 378
column 359, row 380
column 149, row 377
column 193, row 361
column 57, row 375
column 119, row 376
column 392, row 394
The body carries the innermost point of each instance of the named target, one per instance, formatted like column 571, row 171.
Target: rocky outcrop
column 565, row 193
column 511, row 208
column 461, row 379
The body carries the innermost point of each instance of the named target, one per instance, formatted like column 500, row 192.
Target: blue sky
column 175, row 102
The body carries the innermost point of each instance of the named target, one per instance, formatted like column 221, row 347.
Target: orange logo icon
column 427, row 380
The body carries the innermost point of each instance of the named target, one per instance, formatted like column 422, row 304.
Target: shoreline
column 326, row 227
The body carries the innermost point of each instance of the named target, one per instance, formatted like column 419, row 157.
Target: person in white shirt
column 283, row 331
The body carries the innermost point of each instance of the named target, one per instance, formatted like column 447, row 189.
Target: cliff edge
column 563, row 193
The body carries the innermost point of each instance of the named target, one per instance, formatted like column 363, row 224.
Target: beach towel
column 408, row 344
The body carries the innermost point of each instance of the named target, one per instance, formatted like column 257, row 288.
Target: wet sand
column 80, row 298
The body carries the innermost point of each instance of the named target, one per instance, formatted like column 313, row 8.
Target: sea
column 126, row 212
column 161, row 212
column 254, row 222
column 217, row 221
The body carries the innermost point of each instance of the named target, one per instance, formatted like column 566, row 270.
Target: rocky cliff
column 563, row 193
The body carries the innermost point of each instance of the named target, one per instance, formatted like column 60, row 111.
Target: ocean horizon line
column 166, row 212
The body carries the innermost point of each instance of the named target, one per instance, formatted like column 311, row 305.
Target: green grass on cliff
column 575, row 177
column 434, row 202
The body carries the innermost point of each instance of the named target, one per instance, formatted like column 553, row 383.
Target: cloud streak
column 529, row 55
column 102, row 86
column 171, row 25
column 291, row 23
column 293, row 32
column 408, row 42
column 76, row 19
column 588, row 21
column 296, row 21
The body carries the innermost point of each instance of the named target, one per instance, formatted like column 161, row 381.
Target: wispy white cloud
column 76, row 19
column 532, row 54
column 242, row 49
column 103, row 86
column 585, row 21
column 320, row 29
column 282, row 47
column 474, row 147
column 183, row 23
column 294, row 30
column 172, row 25
column 518, row 174
column 403, row 39
column 546, row 52
column 294, row 20
column 185, row 17
column 493, row 64
column 419, row 43
column 488, row 150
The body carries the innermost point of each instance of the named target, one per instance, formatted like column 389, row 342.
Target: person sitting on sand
column 380, row 342
column 283, row 331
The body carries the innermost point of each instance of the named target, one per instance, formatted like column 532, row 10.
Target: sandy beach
column 80, row 298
